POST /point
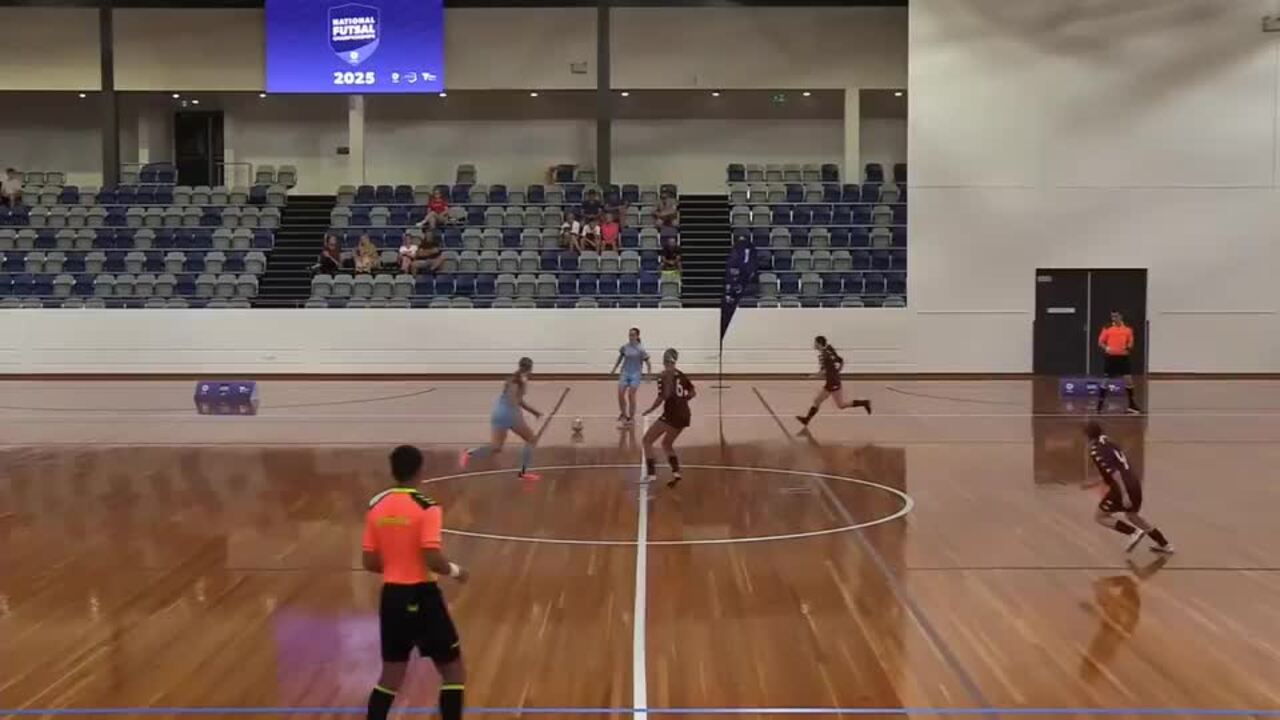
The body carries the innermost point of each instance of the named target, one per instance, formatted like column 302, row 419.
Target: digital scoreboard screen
column 371, row 46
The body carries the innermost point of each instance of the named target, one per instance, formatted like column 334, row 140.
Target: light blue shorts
column 504, row 418
column 630, row 380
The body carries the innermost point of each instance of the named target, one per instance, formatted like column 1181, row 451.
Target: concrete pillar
column 355, row 139
column 144, row 135
column 851, row 172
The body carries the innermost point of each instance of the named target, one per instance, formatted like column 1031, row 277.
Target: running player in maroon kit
column 830, row 363
column 675, row 390
column 1124, row 493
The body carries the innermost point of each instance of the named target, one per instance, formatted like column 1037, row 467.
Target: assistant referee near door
column 1116, row 341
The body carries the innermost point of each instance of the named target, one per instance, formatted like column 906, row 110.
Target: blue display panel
column 370, row 46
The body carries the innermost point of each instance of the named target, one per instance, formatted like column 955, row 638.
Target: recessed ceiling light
column 806, row 93
column 195, row 102
column 83, row 96
column 626, row 94
column 262, row 95
column 444, row 94
column 176, row 96
column 897, row 93
column 715, row 93
column 533, row 94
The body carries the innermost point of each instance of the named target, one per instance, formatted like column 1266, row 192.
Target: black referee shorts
column 415, row 616
column 1117, row 366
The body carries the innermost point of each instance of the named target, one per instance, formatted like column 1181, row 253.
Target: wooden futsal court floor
column 935, row 559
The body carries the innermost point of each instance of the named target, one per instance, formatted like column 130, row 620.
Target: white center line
column 639, row 662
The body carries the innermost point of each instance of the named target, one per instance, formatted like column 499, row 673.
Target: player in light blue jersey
column 631, row 358
column 508, row 416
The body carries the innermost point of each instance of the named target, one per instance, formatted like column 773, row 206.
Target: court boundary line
column 783, row 710
column 908, row 504
column 640, row 606
column 895, row 586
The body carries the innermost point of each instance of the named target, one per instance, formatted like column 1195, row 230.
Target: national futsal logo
column 354, row 31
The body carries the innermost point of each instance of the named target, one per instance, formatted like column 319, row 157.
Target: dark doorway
column 197, row 142
column 1072, row 307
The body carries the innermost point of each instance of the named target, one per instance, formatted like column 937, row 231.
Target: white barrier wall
column 1077, row 133
column 432, row 341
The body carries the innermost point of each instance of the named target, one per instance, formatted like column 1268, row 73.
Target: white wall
column 883, row 140
column 189, row 49
column 52, row 131
column 437, row 341
column 765, row 47
column 49, row 49
column 694, row 153
column 1074, row 133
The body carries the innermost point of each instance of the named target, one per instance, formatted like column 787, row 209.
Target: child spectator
column 610, row 233
column 590, row 236
column 671, row 263
column 367, row 258
column 667, row 213
column 437, row 211
column 571, row 232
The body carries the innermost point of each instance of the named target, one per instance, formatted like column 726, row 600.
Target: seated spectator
column 610, row 232
column 367, row 258
column 408, row 252
column 670, row 260
column 570, row 232
column 330, row 261
column 592, row 207
column 437, row 211
column 11, row 187
column 429, row 257
column 667, row 213
column 590, row 239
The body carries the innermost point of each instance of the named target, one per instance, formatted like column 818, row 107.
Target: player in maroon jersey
column 830, row 364
column 1124, row 493
column 675, row 390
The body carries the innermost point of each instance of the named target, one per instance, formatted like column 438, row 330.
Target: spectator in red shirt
column 610, row 232
column 437, row 211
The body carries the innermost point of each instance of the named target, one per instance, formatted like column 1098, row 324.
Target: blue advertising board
column 355, row 47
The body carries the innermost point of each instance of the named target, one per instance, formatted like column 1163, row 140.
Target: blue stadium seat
column 874, row 173
column 631, row 194
column 736, row 172
column 795, row 192
column 873, row 284
column 588, row 284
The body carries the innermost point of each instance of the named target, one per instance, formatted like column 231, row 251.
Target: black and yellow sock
column 1133, row 401
column 380, row 701
column 1159, row 537
column 650, row 467
column 675, row 464
column 813, row 410
column 451, row 701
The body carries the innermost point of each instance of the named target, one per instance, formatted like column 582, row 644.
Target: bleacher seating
column 147, row 243
column 821, row 242
column 502, row 248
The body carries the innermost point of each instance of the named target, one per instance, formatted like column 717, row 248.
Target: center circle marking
column 907, row 505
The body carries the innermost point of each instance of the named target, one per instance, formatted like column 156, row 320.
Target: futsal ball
column 577, row 426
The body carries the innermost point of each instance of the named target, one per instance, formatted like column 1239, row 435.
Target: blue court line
column 926, row 711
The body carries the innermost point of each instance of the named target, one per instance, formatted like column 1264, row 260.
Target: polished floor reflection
column 938, row 555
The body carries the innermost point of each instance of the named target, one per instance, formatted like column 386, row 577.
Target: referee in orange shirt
column 1116, row 341
column 402, row 543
